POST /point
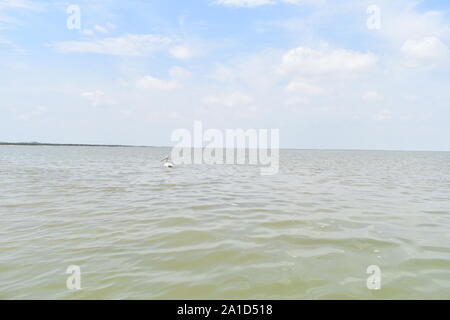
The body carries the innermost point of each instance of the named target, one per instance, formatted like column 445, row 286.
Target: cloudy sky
column 327, row 73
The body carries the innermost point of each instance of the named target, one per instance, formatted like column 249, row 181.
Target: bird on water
column 167, row 163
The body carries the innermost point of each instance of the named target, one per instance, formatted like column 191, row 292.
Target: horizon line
column 36, row 144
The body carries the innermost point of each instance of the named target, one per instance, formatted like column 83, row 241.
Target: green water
column 140, row 231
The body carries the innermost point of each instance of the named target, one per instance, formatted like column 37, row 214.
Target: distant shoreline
column 38, row 144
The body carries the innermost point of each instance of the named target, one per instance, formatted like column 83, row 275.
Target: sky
column 329, row 74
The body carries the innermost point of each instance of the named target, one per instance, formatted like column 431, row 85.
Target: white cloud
column 244, row 3
column 402, row 20
column 11, row 44
column 303, row 88
column 253, row 3
column 383, row 115
column 101, row 29
column 149, row 82
column 181, row 52
column 129, row 45
column 87, row 32
column 307, row 61
column 372, row 96
column 294, row 1
column 232, row 99
column 177, row 72
column 16, row 5
column 294, row 101
column 97, row 98
column 429, row 48
column 23, row 4
column 222, row 73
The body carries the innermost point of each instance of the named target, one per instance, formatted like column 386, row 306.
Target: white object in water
column 167, row 163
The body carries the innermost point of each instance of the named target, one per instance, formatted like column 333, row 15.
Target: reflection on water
column 138, row 230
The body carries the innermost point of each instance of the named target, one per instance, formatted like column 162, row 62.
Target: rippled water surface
column 140, row 231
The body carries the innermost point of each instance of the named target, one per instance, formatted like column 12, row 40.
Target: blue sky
column 137, row 70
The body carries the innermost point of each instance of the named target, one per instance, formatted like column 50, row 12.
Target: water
column 141, row 231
